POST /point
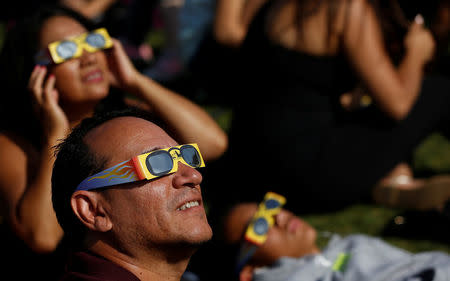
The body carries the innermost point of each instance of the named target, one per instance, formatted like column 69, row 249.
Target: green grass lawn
column 432, row 156
column 373, row 220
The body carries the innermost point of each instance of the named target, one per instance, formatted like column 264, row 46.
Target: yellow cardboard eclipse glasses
column 263, row 219
column 61, row 51
column 148, row 166
column 259, row 226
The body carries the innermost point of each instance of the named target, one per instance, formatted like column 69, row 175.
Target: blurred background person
column 290, row 252
column 292, row 131
column 177, row 28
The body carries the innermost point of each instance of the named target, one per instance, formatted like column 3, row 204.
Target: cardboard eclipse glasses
column 258, row 228
column 61, row 51
column 147, row 166
column 264, row 218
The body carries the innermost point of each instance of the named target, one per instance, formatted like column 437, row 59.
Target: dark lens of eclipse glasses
column 190, row 155
column 159, row 162
column 261, row 226
column 66, row 49
column 272, row 204
column 96, row 40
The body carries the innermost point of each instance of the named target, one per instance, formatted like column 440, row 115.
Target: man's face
column 289, row 236
column 147, row 214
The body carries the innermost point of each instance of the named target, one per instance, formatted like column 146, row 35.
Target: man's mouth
column 188, row 205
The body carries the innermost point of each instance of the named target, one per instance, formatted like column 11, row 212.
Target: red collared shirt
column 91, row 267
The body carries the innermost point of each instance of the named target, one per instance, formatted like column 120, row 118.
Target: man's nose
column 187, row 176
column 281, row 218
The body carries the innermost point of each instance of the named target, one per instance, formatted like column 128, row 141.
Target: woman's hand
column 419, row 41
column 123, row 73
column 45, row 100
column 186, row 120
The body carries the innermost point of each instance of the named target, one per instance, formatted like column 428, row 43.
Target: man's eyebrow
column 151, row 149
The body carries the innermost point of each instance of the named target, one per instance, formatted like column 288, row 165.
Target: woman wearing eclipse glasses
column 57, row 70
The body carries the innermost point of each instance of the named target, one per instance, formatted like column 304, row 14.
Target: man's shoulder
column 88, row 266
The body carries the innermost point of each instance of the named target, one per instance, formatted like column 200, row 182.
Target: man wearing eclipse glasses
column 128, row 198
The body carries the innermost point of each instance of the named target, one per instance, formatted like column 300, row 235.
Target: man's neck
column 146, row 265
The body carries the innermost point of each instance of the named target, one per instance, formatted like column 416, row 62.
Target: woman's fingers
column 419, row 19
column 36, row 82
column 123, row 71
column 49, row 90
column 33, row 75
column 45, row 95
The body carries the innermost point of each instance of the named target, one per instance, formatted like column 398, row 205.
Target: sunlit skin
column 290, row 236
column 145, row 227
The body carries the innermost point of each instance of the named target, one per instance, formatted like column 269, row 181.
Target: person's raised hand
column 419, row 41
column 123, row 73
column 45, row 102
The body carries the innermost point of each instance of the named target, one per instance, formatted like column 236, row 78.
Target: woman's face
column 79, row 80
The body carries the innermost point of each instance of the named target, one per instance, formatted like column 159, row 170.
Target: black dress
column 290, row 134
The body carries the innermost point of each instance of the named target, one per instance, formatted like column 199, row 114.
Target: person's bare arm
column 26, row 194
column 25, row 177
column 394, row 89
column 187, row 120
column 233, row 18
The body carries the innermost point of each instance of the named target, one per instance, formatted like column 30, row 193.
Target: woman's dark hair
column 75, row 162
column 16, row 64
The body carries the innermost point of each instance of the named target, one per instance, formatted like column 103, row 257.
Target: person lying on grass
column 273, row 244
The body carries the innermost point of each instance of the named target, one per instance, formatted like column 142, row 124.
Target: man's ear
column 246, row 273
column 88, row 207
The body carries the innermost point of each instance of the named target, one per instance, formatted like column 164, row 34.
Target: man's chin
column 190, row 246
column 202, row 239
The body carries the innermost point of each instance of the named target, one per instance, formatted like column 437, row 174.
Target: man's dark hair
column 75, row 162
